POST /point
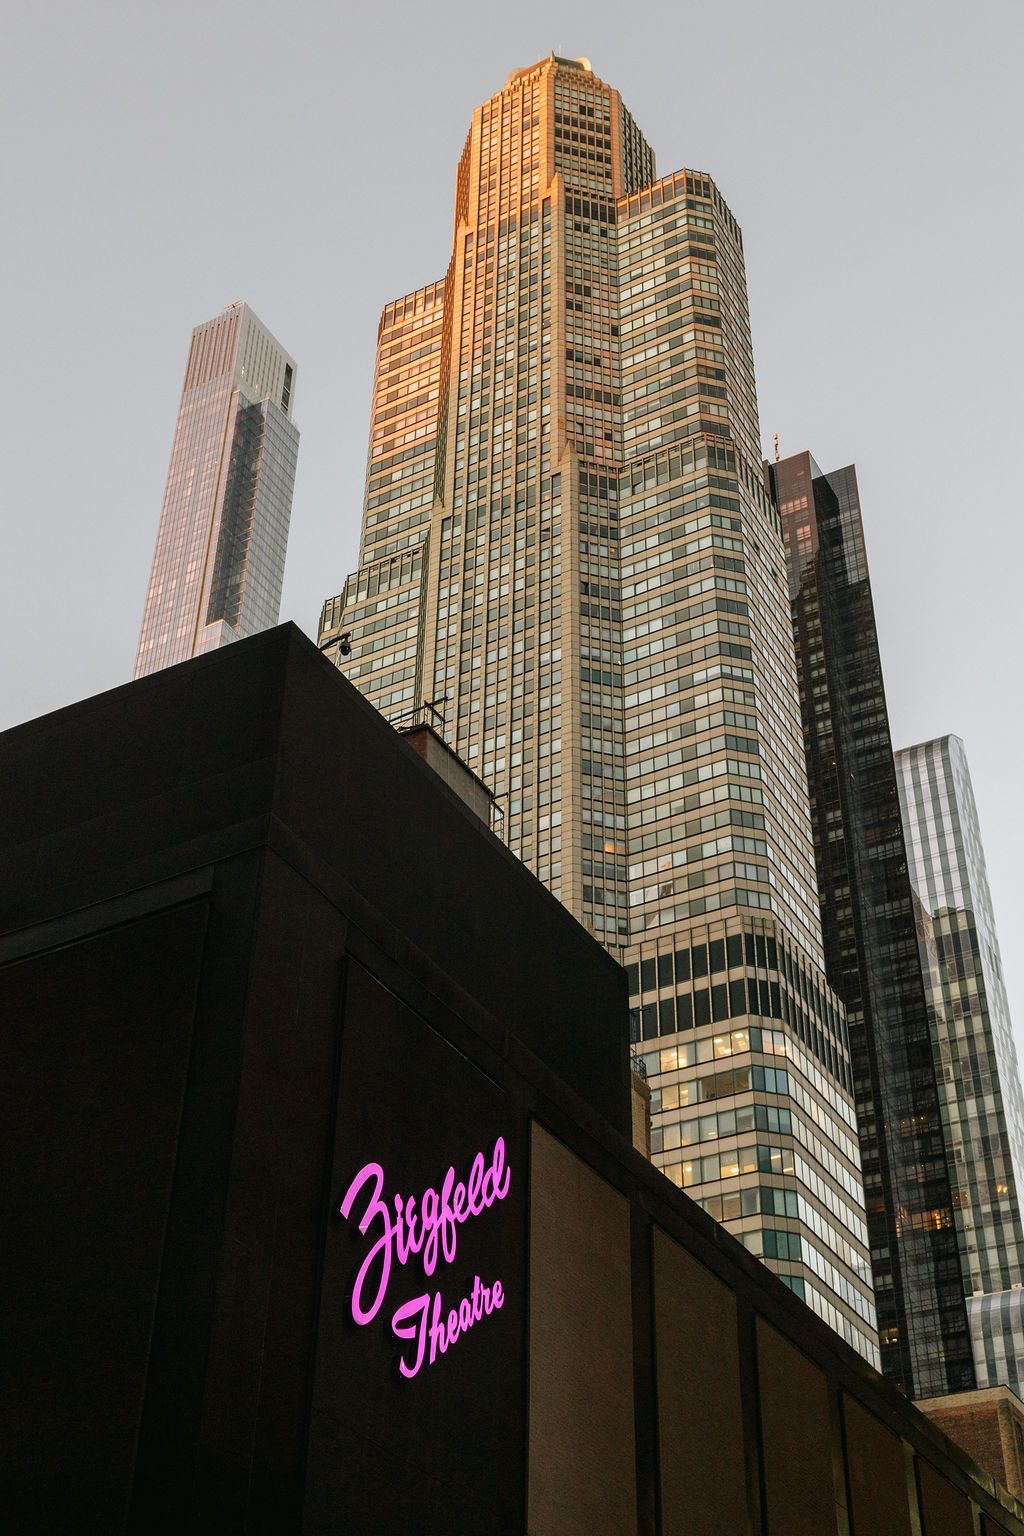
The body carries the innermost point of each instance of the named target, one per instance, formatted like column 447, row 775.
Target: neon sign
column 427, row 1230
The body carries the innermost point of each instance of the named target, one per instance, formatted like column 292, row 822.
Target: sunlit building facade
column 568, row 553
column 979, row 1076
column 219, row 560
column 870, row 921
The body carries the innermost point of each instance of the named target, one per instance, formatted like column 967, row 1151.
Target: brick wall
column 989, row 1426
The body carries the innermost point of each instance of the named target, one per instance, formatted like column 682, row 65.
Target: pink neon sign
column 429, row 1233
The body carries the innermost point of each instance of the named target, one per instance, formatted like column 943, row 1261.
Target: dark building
column 870, row 931
column 320, row 1212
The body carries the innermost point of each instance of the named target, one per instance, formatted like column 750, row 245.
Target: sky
column 161, row 161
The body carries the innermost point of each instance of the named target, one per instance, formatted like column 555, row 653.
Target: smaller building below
column 989, row 1426
column 428, row 744
column 640, row 1101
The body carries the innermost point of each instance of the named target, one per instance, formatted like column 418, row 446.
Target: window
column 718, row 1085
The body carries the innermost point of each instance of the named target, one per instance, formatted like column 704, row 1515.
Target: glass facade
column 568, row 550
column 979, row 1077
column 219, row 560
column 870, row 925
column 997, row 1333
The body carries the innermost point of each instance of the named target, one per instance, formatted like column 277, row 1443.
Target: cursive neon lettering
column 376, row 1210
column 493, row 1188
column 458, row 1207
column 473, row 1188
column 430, row 1233
column 422, row 1322
column 451, row 1217
column 429, row 1208
column 409, row 1322
column 438, row 1335
column 424, row 1227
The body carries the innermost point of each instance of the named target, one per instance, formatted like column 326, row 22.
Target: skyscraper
column 567, row 549
column 870, row 923
column 979, row 1078
column 220, row 548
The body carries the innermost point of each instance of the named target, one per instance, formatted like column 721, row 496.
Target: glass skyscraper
column 218, row 565
column 870, row 921
column 979, row 1077
column 568, row 551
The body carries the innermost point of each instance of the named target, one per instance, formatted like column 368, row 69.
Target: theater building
column 321, row 1211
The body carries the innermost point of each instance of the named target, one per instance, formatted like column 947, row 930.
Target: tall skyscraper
column 979, row 1077
column 567, row 549
column 220, row 548
column 870, row 923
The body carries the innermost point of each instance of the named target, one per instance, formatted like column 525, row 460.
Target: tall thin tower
column 567, row 550
column 218, row 565
column 979, row 1075
column 871, row 920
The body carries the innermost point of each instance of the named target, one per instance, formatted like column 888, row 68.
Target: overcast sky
column 161, row 161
